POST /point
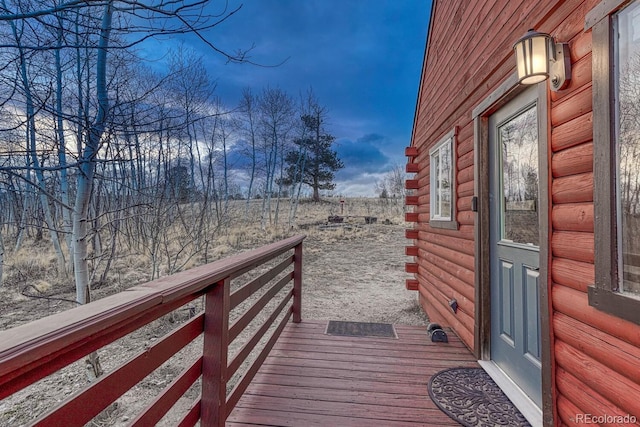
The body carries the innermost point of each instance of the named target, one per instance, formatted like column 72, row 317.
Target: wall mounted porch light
column 539, row 57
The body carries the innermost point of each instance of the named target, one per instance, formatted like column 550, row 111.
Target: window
column 441, row 183
column 628, row 146
column 616, row 136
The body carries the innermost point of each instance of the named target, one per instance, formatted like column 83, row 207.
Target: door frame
column 504, row 93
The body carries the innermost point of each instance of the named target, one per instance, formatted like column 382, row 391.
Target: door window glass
column 518, row 139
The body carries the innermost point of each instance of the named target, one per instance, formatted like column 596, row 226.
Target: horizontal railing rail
column 35, row 350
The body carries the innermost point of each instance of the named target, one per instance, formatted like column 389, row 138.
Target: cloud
column 363, row 60
column 359, row 157
column 373, row 138
column 361, row 185
column 365, row 163
column 362, row 156
column 238, row 155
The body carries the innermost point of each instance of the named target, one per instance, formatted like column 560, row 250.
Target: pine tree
column 313, row 162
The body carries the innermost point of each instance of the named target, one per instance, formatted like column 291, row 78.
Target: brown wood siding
column 462, row 47
column 596, row 369
column 596, row 355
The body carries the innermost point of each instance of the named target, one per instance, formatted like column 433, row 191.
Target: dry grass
column 32, row 271
column 349, row 273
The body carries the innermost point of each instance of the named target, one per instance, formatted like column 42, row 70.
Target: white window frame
column 436, row 219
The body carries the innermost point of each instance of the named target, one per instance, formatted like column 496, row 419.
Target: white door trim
column 519, row 398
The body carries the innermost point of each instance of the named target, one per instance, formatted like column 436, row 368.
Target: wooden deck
column 313, row 379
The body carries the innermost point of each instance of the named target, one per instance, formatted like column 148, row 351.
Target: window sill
column 439, row 223
column 626, row 307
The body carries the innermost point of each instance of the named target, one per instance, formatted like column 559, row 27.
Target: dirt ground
column 349, row 273
column 359, row 278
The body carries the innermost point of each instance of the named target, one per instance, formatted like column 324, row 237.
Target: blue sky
column 362, row 58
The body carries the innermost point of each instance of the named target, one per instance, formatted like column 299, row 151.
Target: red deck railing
column 37, row 349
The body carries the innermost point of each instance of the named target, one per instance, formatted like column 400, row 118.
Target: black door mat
column 469, row 396
column 360, row 329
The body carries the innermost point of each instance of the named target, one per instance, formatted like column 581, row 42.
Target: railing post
column 214, row 365
column 297, row 283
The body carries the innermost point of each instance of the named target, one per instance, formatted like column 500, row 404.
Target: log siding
column 473, row 42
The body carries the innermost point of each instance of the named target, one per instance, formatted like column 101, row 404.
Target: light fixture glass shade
column 532, row 57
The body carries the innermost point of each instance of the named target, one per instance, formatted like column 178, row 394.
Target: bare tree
column 94, row 41
column 18, row 30
column 276, row 113
column 247, row 126
column 90, row 35
column 296, row 159
column 1, row 256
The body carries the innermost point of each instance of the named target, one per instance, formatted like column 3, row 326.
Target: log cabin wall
column 595, row 356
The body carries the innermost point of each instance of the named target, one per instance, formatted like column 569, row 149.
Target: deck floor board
column 314, row 379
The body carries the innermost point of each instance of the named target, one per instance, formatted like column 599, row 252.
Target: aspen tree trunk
column 279, row 193
column 249, row 104
column 88, row 163
column 26, row 202
column 302, row 157
column 253, row 175
column 271, row 172
column 1, row 258
column 226, row 173
column 31, row 148
column 265, row 196
column 62, row 155
column 85, row 180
